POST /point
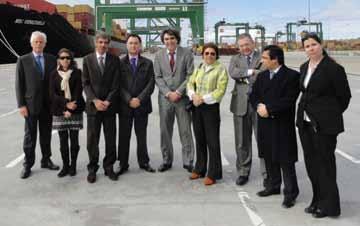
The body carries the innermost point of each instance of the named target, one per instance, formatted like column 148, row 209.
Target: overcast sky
column 340, row 18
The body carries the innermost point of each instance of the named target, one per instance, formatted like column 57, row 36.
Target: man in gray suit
column 32, row 94
column 173, row 66
column 244, row 68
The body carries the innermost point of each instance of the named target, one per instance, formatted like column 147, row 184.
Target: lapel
column 179, row 55
column 303, row 75
column 254, row 60
column 35, row 67
column 276, row 80
column 94, row 62
column 315, row 73
column 107, row 63
column 167, row 61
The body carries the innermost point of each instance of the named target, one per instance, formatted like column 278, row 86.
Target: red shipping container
column 37, row 5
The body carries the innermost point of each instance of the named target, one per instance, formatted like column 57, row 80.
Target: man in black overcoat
column 274, row 96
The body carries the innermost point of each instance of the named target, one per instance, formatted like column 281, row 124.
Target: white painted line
column 21, row 157
column 15, row 161
column 9, row 113
column 224, row 161
column 250, row 210
column 347, row 156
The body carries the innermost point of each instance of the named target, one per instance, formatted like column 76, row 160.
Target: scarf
column 65, row 75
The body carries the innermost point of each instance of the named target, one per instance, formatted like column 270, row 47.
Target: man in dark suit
column 32, row 94
column 137, row 85
column 244, row 68
column 274, row 96
column 101, row 73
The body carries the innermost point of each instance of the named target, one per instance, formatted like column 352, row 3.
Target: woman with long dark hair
column 67, row 106
column 325, row 97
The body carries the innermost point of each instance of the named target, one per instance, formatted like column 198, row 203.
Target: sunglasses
column 209, row 53
column 65, row 57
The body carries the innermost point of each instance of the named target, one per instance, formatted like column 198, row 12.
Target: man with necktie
column 244, row 68
column 137, row 85
column 274, row 96
column 32, row 94
column 100, row 77
column 173, row 66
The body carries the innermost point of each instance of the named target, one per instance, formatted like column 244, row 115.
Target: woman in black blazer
column 67, row 106
column 325, row 96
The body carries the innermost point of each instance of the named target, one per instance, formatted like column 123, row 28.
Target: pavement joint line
column 256, row 220
column 14, row 162
column 9, row 113
column 347, row 156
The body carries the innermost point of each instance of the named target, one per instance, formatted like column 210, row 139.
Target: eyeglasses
column 210, row 53
column 65, row 57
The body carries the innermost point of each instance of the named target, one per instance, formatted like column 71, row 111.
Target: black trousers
column 274, row 171
column 94, row 123
column 206, row 124
column 125, row 126
column 320, row 162
column 44, row 120
column 64, row 145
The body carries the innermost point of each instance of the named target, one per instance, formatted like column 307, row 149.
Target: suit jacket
column 277, row 134
column 31, row 90
column 326, row 97
column 140, row 85
column 57, row 97
column 165, row 79
column 238, row 68
column 101, row 86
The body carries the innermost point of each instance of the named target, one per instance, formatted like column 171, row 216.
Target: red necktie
column 172, row 61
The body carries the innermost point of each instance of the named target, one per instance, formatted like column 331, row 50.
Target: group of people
column 49, row 93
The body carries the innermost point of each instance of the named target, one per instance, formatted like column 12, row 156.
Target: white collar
column 168, row 51
column 276, row 70
column 98, row 55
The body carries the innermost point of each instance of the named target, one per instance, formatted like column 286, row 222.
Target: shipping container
column 83, row 9
column 63, row 8
column 70, row 17
column 37, row 5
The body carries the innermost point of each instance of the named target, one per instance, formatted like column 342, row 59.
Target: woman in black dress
column 67, row 106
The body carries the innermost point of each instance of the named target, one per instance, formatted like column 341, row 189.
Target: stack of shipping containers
column 81, row 17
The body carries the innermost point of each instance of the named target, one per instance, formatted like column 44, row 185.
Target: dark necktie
column 248, row 59
column 101, row 64
column 172, row 61
column 133, row 65
column 39, row 65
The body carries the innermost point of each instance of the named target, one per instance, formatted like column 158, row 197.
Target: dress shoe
column 242, row 180
column 189, row 168
column 122, row 170
column 195, row 176
column 310, row 209
column 91, row 178
column 288, row 203
column 63, row 172
column 111, row 174
column 164, row 167
column 268, row 192
column 48, row 164
column 319, row 213
column 147, row 168
column 25, row 173
column 208, row 181
column 72, row 170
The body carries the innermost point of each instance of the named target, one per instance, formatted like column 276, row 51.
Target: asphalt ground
column 139, row 198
